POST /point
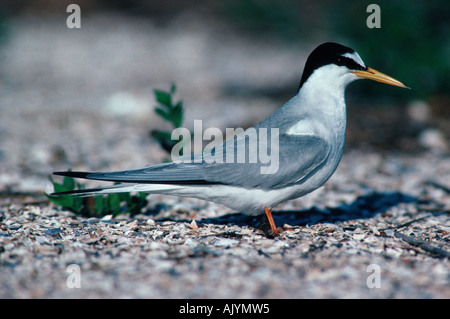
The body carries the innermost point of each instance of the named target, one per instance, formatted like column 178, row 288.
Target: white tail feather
column 146, row 188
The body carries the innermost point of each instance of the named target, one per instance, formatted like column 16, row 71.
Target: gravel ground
column 397, row 223
column 379, row 228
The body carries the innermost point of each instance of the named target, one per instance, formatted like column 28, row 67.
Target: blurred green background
column 414, row 38
column 412, row 45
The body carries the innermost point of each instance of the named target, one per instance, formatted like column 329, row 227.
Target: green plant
column 115, row 204
column 170, row 112
column 98, row 206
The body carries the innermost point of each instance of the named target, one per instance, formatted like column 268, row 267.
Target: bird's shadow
column 365, row 206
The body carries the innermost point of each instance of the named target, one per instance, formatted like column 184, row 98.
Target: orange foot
column 273, row 227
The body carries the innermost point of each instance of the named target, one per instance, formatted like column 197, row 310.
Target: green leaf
column 163, row 97
column 57, row 200
column 69, row 183
column 114, row 203
column 67, row 202
column 99, row 205
column 58, row 187
column 77, row 204
column 177, row 118
column 165, row 115
column 125, row 197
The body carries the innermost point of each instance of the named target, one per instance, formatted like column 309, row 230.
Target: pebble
column 225, row 242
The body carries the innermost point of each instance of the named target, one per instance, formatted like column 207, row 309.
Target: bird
column 310, row 132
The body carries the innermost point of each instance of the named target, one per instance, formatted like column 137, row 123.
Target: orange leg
column 273, row 227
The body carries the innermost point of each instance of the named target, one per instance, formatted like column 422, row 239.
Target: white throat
column 328, row 79
column 322, row 101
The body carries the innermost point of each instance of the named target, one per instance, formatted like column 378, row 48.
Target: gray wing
column 298, row 156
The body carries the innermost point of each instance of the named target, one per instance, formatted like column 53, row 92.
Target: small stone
column 433, row 139
column 41, row 239
column 193, row 224
column 226, row 242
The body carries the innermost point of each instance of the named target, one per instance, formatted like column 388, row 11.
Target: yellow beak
column 375, row 75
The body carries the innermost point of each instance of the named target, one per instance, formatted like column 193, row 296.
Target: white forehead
column 355, row 57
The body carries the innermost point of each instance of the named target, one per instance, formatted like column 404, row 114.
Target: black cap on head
column 329, row 53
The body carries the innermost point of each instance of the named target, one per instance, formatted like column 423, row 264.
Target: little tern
column 310, row 131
